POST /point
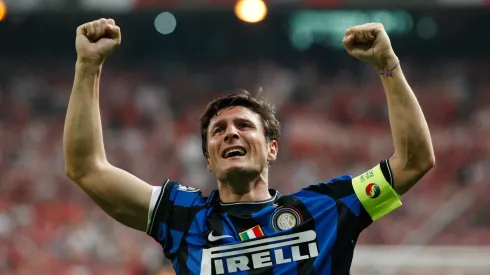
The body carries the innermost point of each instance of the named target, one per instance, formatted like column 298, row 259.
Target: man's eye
column 244, row 125
column 218, row 130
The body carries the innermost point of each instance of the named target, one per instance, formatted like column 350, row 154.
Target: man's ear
column 273, row 150
column 208, row 164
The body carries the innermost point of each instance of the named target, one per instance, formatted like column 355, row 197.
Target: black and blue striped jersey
column 312, row 231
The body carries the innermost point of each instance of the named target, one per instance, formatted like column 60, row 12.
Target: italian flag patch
column 252, row 233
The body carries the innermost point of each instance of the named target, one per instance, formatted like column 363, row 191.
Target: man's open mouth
column 234, row 152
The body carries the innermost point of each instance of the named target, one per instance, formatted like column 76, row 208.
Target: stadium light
column 426, row 28
column 165, row 23
column 251, row 11
column 3, row 10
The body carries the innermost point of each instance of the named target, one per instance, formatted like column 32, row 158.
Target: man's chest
column 273, row 240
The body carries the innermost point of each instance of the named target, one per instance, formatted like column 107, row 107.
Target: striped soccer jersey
column 312, row 231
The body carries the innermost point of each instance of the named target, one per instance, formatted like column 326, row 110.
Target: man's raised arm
column 414, row 155
column 120, row 194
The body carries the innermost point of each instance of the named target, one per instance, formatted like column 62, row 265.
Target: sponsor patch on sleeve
column 375, row 193
column 187, row 188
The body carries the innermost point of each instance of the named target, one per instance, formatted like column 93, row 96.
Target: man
column 244, row 227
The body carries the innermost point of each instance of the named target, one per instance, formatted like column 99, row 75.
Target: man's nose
column 231, row 133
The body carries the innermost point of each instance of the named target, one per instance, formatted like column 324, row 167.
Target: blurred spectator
column 332, row 124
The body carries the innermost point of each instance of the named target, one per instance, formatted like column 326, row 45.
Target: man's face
column 237, row 146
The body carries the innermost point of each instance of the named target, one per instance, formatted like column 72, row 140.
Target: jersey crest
column 285, row 218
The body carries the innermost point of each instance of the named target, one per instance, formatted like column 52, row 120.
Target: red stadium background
column 332, row 109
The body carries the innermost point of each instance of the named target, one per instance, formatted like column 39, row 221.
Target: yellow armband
column 375, row 193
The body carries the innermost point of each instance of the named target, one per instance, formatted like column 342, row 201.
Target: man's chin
column 240, row 172
column 237, row 168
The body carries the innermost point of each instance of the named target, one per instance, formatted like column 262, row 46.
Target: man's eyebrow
column 241, row 119
column 216, row 123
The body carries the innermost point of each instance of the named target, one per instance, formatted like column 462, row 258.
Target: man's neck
column 257, row 190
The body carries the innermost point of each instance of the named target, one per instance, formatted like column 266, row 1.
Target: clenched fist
column 370, row 43
column 96, row 40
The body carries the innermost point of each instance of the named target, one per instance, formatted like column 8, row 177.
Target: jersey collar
column 245, row 206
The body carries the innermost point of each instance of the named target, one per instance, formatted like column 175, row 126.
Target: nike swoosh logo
column 212, row 238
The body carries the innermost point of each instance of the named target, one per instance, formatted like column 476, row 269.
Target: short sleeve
column 362, row 199
column 172, row 210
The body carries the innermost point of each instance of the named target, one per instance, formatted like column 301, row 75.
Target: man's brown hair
column 266, row 110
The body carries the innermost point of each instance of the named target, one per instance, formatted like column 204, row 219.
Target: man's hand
column 370, row 43
column 96, row 40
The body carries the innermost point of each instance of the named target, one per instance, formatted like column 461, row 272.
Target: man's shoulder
column 333, row 187
column 340, row 179
column 188, row 189
column 183, row 195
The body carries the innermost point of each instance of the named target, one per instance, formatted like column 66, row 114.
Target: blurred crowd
column 334, row 121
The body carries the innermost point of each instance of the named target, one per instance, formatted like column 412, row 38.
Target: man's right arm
column 120, row 194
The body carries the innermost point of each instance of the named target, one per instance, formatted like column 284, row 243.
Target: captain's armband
column 375, row 193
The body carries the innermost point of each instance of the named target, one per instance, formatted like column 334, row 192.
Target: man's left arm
column 414, row 155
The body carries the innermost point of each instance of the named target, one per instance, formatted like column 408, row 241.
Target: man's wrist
column 89, row 66
column 386, row 63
